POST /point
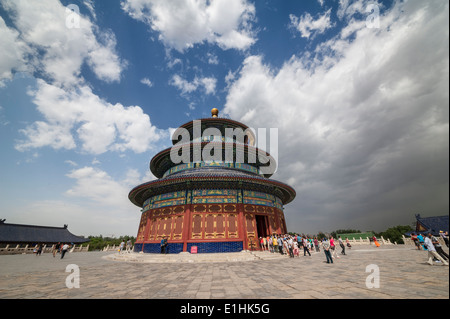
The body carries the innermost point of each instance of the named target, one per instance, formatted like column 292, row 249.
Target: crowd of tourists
column 60, row 248
column 431, row 244
column 293, row 245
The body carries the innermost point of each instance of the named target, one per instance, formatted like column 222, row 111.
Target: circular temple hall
column 210, row 204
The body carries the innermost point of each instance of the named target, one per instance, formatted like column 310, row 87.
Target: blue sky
column 357, row 89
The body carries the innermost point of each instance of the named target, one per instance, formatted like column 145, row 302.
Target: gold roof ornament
column 214, row 112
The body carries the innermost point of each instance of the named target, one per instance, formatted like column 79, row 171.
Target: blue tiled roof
column 16, row 233
column 434, row 224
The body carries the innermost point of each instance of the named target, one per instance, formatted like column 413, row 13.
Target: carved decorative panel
column 177, row 227
column 209, row 226
column 199, row 208
column 229, row 208
column 214, row 208
column 232, row 220
column 197, row 226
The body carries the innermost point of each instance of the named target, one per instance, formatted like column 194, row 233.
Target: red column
column 148, row 226
column 186, row 225
column 242, row 231
column 277, row 222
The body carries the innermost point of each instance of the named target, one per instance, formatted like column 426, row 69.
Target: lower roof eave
column 137, row 195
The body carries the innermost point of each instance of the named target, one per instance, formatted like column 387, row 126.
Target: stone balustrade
column 30, row 249
column 115, row 248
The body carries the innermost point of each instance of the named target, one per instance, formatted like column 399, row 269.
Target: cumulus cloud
column 42, row 42
column 183, row 24
column 12, row 54
column 98, row 186
column 308, row 26
column 56, row 49
column 99, row 128
column 186, row 87
column 363, row 122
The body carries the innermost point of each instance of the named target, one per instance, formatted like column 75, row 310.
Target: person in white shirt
column 290, row 243
column 64, row 249
column 432, row 251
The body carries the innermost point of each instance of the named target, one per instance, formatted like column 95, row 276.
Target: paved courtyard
column 403, row 274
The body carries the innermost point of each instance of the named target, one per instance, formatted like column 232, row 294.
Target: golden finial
column 214, row 112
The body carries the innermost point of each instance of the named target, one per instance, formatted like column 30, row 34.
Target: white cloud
column 91, row 7
column 72, row 113
column 58, row 52
column 93, row 190
column 12, row 53
column 308, row 26
column 146, row 81
column 186, row 87
column 71, row 163
column 348, row 8
column 359, row 119
column 96, row 185
column 79, row 217
column 182, row 24
column 99, row 128
column 212, row 58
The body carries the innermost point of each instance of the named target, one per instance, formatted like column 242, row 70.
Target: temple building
column 213, row 191
column 20, row 234
column 434, row 224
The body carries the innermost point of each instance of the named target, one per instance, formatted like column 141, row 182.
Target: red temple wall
column 210, row 222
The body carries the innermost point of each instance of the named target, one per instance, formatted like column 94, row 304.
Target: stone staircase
column 186, row 257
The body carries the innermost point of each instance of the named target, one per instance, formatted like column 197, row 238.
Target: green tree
column 394, row 234
column 100, row 242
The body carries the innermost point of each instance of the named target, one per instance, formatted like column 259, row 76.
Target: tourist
column 415, row 240
column 305, row 246
column 432, row 251
column 270, row 243
column 38, row 249
column 64, row 249
column 341, row 243
column 438, row 247
column 55, row 249
column 296, row 250
column 421, row 241
column 275, row 243
column 122, row 244
column 261, row 243
column 444, row 237
column 376, row 241
column 129, row 244
column 163, row 245
column 333, row 248
column 348, row 243
column 290, row 243
column 326, row 248
column 280, row 244
column 287, row 244
column 316, row 244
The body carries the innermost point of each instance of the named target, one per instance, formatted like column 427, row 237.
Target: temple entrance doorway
column 262, row 225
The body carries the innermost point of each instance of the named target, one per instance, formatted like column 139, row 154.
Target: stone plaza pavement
column 403, row 274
